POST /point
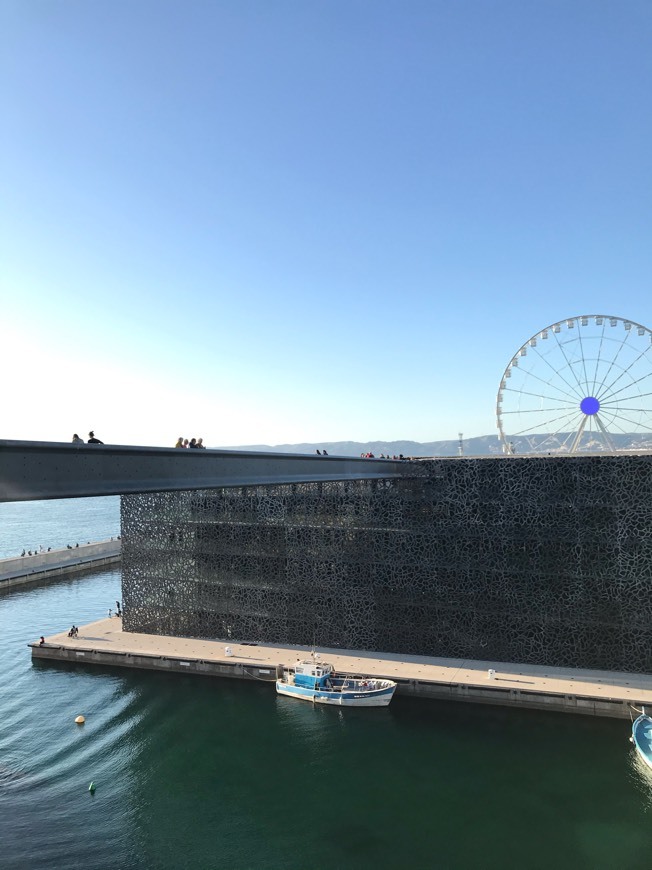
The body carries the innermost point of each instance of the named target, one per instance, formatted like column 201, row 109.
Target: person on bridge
column 76, row 439
column 93, row 440
column 179, row 442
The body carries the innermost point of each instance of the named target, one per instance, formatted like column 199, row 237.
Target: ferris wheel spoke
column 630, row 384
column 536, row 444
column 617, row 429
column 573, row 394
column 552, row 439
column 606, row 407
column 624, row 371
column 627, row 431
column 613, row 361
column 572, row 401
column 568, row 362
column 566, row 417
column 570, row 434
column 534, row 411
column 639, row 425
column 613, row 401
column 613, row 423
column 573, row 390
column 579, row 336
column 634, row 423
column 598, row 358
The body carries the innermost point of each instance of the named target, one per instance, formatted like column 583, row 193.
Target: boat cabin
column 312, row 674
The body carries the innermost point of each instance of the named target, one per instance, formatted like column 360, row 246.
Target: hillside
column 481, row 446
column 484, row 445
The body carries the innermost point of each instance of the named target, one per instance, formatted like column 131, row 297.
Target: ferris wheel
column 582, row 384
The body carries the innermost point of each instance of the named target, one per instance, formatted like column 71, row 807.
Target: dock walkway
column 597, row 693
column 41, row 566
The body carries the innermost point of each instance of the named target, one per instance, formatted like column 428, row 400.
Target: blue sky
column 277, row 222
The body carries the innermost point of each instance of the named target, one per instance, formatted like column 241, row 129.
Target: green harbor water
column 195, row 772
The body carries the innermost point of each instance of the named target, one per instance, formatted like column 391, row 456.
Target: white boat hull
column 642, row 736
column 362, row 698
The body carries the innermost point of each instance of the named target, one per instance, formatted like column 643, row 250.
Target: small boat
column 316, row 681
column 642, row 736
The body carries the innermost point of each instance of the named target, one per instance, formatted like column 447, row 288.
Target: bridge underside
column 31, row 470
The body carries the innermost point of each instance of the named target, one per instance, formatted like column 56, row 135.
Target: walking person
column 93, row 440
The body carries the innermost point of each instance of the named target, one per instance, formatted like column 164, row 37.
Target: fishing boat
column 642, row 736
column 316, row 681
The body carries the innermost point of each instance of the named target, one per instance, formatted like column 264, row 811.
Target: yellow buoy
column 80, row 720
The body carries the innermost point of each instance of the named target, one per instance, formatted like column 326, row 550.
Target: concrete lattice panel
column 544, row 560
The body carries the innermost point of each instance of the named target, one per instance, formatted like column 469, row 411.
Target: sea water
column 32, row 525
column 198, row 772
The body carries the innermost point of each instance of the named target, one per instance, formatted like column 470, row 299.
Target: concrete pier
column 594, row 693
column 31, row 569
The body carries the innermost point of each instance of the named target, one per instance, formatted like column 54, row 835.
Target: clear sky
column 276, row 222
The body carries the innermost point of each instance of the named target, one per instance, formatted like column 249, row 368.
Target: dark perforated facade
column 544, row 560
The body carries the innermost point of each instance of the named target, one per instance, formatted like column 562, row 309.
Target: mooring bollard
column 491, row 674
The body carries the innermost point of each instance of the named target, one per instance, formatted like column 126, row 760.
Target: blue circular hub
column 589, row 406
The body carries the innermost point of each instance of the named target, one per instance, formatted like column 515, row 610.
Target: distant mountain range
column 484, row 445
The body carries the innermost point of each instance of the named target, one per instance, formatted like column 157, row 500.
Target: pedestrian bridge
column 32, row 470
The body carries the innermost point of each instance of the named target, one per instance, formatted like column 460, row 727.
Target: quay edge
column 42, row 567
column 593, row 693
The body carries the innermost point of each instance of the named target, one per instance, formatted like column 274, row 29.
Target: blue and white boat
column 642, row 736
column 316, row 681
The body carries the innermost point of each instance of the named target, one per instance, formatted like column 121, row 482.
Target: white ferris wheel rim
column 587, row 390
